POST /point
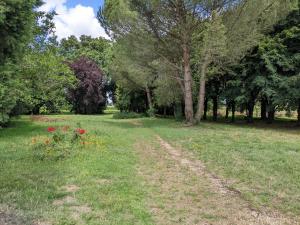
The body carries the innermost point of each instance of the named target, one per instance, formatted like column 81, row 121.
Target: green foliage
column 45, row 77
column 130, row 100
column 16, row 27
column 9, row 91
column 95, row 49
column 151, row 112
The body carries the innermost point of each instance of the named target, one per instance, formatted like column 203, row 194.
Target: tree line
column 185, row 54
column 171, row 57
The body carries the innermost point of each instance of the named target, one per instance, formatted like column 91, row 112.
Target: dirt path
column 184, row 192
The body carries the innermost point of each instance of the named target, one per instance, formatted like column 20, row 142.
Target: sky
column 75, row 17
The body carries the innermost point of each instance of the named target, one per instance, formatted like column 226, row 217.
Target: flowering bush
column 59, row 143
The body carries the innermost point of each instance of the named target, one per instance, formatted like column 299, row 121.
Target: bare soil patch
column 184, row 192
column 42, row 223
column 68, row 200
column 46, row 119
column 78, row 211
column 102, row 181
column 71, row 188
column 135, row 122
column 10, row 218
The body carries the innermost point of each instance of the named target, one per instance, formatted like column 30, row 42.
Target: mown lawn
column 260, row 161
column 106, row 177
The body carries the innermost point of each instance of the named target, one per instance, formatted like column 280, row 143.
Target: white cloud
column 74, row 21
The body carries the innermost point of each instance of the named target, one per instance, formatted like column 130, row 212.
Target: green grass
column 261, row 161
column 30, row 186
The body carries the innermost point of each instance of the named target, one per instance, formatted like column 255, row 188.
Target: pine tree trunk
column 149, row 98
column 205, row 109
column 263, row 111
column 250, row 112
column 271, row 116
column 298, row 112
column 188, row 96
column 201, row 95
column 233, row 112
column 227, row 111
column 215, row 108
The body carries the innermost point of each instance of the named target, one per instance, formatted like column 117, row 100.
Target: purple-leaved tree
column 88, row 96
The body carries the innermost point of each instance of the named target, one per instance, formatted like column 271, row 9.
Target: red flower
column 51, row 129
column 80, row 131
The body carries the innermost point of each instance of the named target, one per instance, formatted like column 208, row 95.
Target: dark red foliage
column 89, row 96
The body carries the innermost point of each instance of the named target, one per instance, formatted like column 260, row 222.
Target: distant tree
column 96, row 49
column 88, row 97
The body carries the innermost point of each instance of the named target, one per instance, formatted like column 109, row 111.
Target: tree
column 88, row 96
column 45, row 78
column 96, row 49
column 16, row 28
column 174, row 28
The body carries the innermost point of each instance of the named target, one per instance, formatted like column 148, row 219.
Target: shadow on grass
column 283, row 125
column 21, row 128
column 280, row 124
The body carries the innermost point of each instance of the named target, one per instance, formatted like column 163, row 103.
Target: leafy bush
column 127, row 115
column 151, row 112
column 62, row 143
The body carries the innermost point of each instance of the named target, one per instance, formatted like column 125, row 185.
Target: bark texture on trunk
column 250, row 108
column 233, row 112
column 298, row 112
column 227, row 111
column 188, row 96
column 263, row 109
column 271, row 115
column 205, row 109
column 201, row 97
column 215, row 108
column 149, row 97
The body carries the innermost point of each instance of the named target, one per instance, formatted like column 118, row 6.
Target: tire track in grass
column 183, row 192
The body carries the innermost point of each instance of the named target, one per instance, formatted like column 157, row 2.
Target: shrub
column 60, row 143
column 151, row 112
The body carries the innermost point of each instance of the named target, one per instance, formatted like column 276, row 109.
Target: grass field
column 131, row 178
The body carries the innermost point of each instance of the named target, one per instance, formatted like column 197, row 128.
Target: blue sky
column 75, row 17
column 93, row 3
